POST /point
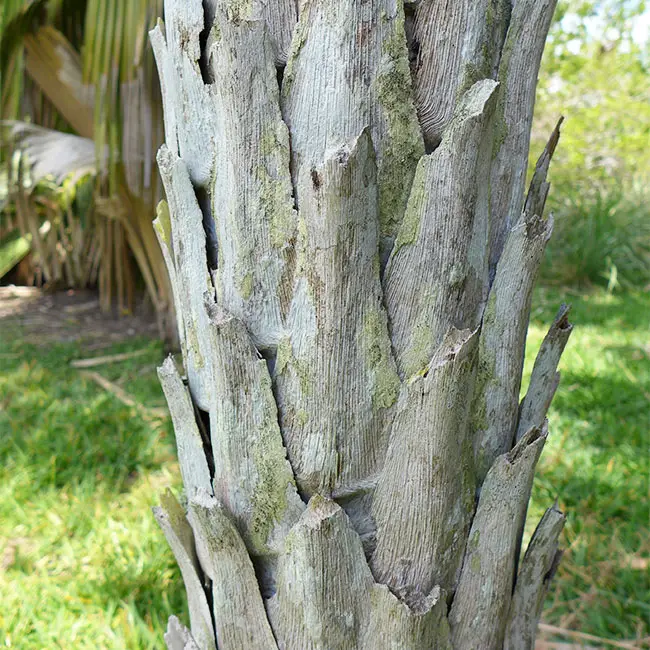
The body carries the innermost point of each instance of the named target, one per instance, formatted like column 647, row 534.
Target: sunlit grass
column 83, row 564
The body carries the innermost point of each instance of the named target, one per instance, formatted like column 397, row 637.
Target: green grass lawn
column 82, row 561
column 83, row 564
column 596, row 463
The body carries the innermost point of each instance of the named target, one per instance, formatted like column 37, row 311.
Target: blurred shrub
column 596, row 72
column 602, row 236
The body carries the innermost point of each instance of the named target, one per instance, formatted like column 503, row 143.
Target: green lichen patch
column 193, row 343
column 404, row 145
column 275, row 200
column 421, row 343
column 410, row 227
column 285, row 361
column 376, row 347
column 484, row 376
column 283, row 356
column 239, row 10
column 246, row 286
column 500, row 126
column 302, row 417
column 174, row 511
column 298, row 40
column 269, row 498
column 163, row 222
column 305, row 376
column 268, row 142
column 214, row 37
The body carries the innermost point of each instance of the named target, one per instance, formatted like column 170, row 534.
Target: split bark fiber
column 353, row 313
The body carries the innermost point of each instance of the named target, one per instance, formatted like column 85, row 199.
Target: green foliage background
column 596, row 72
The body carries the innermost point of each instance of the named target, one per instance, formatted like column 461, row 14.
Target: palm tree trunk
column 352, row 258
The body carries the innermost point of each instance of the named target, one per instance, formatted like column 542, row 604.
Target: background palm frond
column 53, row 153
column 86, row 66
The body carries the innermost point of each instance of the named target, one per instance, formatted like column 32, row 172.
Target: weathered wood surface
column 348, row 70
column 455, row 45
column 178, row 637
column 186, row 259
column 505, row 322
column 327, row 598
column 537, row 570
column 352, row 314
column 252, row 477
column 544, row 379
column 239, row 617
column 518, row 71
column 189, row 443
column 191, row 123
column 425, row 497
column 337, row 374
column 437, row 275
column 171, row 519
column 479, row 611
column 280, row 17
column 251, row 193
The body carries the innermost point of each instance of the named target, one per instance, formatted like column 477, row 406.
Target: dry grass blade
column 111, row 358
column 574, row 634
column 55, row 66
column 93, row 64
column 123, row 396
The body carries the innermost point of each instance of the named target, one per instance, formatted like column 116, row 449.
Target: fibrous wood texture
column 334, row 374
column 537, row 570
column 348, row 70
column 437, row 275
column 353, row 262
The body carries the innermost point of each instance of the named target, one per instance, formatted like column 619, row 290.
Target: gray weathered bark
column 353, row 262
